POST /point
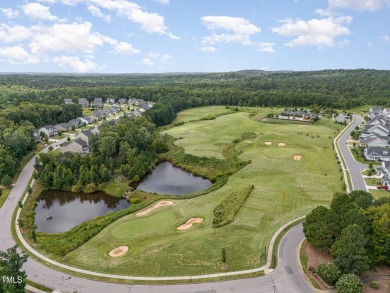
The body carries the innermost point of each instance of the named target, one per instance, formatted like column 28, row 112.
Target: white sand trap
column 119, row 251
column 157, row 205
column 297, row 157
column 281, row 144
column 268, row 143
column 189, row 223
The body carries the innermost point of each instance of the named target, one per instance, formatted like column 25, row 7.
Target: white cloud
column 163, row 2
column 95, row 11
column 12, row 34
column 266, row 47
column 47, row 1
column 208, row 49
column 166, row 57
column 17, row 54
column 66, row 37
column 125, row 48
column 369, row 5
column 149, row 22
column 147, row 61
column 36, row 10
column 9, row 12
column 314, row 32
column 239, row 30
column 385, row 38
column 152, row 58
column 75, row 63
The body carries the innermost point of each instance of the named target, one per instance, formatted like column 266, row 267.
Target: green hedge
column 226, row 210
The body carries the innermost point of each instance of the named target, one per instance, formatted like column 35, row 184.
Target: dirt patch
column 281, row 144
column 314, row 258
column 297, row 157
column 268, row 143
column 157, row 205
column 189, row 223
column 119, row 251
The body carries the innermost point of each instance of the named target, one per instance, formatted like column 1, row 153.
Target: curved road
column 353, row 167
column 287, row 278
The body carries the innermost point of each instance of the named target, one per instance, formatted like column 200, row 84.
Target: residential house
column 374, row 142
column 75, row 123
column 92, row 118
column 85, row 135
column 48, row 130
column 374, row 111
column 37, row 136
column 84, row 102
column 68, row 101
column 94, row 130
column 122, row 101
column 386, row 112
column 377, row 154
column 84, row 121
column 63, row 127
column 97, row 103
column 110, row 101
column 76, row 146
column 141, row 102
column 133, row 102
column 99, row 114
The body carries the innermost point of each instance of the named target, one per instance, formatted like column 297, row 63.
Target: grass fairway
column 284, row 188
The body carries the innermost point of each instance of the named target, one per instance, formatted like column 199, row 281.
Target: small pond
column 168, row 179
column 60, row 211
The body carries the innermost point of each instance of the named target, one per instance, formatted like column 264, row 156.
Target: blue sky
column 126, row 36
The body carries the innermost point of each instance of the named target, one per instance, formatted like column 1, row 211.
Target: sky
column 156, row 36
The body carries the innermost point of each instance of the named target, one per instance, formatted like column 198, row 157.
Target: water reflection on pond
column 60, row 211
column 168, row 179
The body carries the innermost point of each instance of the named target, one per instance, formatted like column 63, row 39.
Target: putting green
column 283, row 189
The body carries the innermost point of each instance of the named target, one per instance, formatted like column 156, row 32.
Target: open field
column 284, row 188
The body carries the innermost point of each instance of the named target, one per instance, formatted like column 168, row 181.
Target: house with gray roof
column 122, row 101
column 68, row 101
column 85, row 135
column 76, row 146
column 48, row 130
column 97, row 103
column 84, row 102
column 377, row 154
column 110, row 101
column 63, row 127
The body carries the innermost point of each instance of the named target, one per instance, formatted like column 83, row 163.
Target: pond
column 60, row 211
column 168, row 179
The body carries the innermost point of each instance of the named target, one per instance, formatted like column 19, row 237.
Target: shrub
column 6, row 180
column 134, row 200
column 91, row 188
column 374, row 285
column 329, row 272
column 349, row 283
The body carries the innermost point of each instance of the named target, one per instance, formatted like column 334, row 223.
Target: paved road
column 353, row 167
column 287, row 278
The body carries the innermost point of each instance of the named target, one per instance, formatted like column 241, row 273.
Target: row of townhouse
column 82, row 139
column 98, row 102
column 384, row 172
column 374, row 137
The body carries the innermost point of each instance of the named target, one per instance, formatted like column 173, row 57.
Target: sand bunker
column 119, row 251
column 281, row 144
column 157, row 205
column 297, row 157
column 189, row 223
column 268, row 143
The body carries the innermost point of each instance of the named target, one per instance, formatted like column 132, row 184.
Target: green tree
column 11, row 263
column 349, row 250
column 321, row 227
column 329, row 272
column 349, row 283
column 6, row 180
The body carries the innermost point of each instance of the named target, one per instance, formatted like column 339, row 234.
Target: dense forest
column 129, row 147
column 328, row 88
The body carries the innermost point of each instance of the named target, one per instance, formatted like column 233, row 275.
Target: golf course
column 292, row 170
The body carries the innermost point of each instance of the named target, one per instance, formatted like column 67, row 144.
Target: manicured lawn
column 372, row 181
column 284, row 189
column 376, row 193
